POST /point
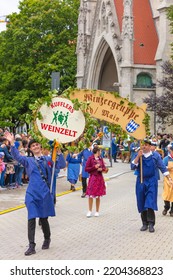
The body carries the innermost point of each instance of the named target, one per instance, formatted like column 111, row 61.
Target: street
column 114, row 235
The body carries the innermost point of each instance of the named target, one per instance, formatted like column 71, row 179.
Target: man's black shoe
column 151, row 228
column 31, row 250
column 144, row 227
column 164, row 212
column 46, row 244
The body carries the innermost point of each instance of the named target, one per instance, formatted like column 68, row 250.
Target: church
column 121, row 46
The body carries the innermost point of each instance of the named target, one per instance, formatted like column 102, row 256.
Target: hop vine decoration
column 91, row 124
column 100, row 134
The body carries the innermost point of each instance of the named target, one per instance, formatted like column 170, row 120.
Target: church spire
column 85, row 25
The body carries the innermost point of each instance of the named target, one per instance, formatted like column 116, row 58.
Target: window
column 144, row 81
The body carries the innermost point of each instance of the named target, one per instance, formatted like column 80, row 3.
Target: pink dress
column 96, row 184
column 2, row 166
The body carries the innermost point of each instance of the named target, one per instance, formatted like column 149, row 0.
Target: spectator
column 2, row 168
column 19, row 168
column 163, row 145
column 9, row 162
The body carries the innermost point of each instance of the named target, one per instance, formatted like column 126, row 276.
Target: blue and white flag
column 132, row 126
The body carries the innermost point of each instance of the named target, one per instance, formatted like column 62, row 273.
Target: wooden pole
column 141, row 169
column 54, row 156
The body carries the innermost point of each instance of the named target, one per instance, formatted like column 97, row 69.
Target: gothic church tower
column 121, row 46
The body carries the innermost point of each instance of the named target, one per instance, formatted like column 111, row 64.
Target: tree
column 40, row 39
column 162, row 105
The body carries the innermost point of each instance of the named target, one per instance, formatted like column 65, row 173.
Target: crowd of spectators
column 13, row 174
column 125, row 150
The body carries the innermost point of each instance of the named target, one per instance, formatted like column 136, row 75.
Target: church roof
column 145, row 34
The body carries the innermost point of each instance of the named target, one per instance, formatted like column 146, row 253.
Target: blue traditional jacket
column 73, row 167
column 85, row 154
column 146, row 192
column 38, row 199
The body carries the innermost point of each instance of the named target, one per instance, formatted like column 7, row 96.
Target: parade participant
column 114, row 148
column 147, row 183
column 73, row 162
column 85, row 154
column 134, row 146
column 167, row 191
column 96, row 186
column 125, row 151
column 39, row 200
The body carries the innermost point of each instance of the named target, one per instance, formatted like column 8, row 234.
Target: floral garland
column 92, row 125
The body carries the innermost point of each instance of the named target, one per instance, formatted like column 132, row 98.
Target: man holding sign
column 39, row 199
column 59, row 121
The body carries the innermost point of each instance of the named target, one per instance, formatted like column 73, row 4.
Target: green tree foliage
column 40, row 39
column 162, row 105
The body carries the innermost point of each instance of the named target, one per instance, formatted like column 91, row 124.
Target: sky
column 7, row 7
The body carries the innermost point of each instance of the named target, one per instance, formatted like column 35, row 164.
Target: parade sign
column 60, row 121
column 116, row 110
column 106, row 140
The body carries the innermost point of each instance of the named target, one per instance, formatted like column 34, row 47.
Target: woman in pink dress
column 96, row 186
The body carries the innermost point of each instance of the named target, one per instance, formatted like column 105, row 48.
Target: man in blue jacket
column 147, row 183
column 39, row 200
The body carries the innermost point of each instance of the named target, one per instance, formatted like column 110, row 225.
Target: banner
column 60, row 121
column 116, row 110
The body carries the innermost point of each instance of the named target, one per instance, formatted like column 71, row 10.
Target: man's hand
column 140, row 153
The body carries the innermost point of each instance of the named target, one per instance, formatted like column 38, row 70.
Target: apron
column 168, row 190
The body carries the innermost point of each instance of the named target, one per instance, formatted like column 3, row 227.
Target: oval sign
column 60, row 121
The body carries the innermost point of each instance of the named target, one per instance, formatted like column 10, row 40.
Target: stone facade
column 112, row 47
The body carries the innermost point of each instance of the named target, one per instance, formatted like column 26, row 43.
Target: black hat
column 153, row 143
column 31, row 142
column 147, row 141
